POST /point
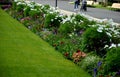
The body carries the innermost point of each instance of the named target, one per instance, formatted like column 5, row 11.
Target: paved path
column 94, row 12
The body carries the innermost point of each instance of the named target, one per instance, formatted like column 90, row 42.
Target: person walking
column 76, row 4
column 84, row 5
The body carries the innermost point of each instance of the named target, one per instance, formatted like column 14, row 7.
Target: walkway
column 94, row 12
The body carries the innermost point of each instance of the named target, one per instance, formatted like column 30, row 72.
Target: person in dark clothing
column 84, row 5
column 77, row 3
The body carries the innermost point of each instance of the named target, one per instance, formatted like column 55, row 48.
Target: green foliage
column 14, row 5
column 92, row 40
column 82, row 23
column 34, row 13
column 52, row 20
column 26, row 11
column 80, row 18
column 20, row 6
column 66, row 28
column 64, row 45
column 45, row 9
column 112, row 60
column 89, row 62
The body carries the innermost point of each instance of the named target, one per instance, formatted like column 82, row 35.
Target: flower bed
column 87, row 43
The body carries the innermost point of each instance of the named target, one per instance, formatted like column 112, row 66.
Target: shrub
column 34, row 13
column 89, row 63
column 84, row 22
column 80, row 18
column 52, row 20
column 14, row 4
column 112, row 60
column 45, row 9
column 20, row 6
column 26, row 11
column 92, row 40
column 66, row 28
column 115, row 35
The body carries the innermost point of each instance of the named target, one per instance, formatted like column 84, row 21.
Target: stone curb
column 64, row 12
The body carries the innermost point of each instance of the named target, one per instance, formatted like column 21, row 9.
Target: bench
column 116, row 5
column 90, row 2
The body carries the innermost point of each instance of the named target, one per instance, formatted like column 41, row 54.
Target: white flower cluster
column 21, row 3
column 112, row 46
column 72, row 34
column 110, row 31
column 113, row 32
column 30, row 5
column 69, row 18
column 56, row 18
column 100, row 29
column 52, row 8
column 39, row 4
column 91, row 59
column 17, row 0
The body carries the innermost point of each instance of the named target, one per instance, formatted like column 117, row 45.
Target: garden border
column 87, row 16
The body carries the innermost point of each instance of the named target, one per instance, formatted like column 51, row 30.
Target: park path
column 94, row 12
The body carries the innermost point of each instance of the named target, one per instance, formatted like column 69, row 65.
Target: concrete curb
column 64, row 12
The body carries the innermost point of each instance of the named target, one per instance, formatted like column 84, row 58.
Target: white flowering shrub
column 52, row 20
column 92, row 40
column 112, row 31
column 20, row 6
column 78, row 22
column 68, row 25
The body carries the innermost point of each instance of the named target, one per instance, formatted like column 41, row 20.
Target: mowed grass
column 23, row 54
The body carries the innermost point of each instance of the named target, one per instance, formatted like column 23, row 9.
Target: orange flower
column 78, row 55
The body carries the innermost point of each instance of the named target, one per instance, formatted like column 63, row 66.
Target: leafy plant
column 45, row 9
column 34, row 13
column 80, row 18
column 66, row 28
column 92, row 40
column 20, row 6
column 89, row 63
column 26, row 11
column 112, row 60
column 52, row 20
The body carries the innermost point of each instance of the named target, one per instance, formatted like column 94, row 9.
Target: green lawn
column 23, row 54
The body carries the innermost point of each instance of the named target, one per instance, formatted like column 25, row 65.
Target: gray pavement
column 94, row 12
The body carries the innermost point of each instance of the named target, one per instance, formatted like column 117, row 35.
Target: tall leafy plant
column 92, row 40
